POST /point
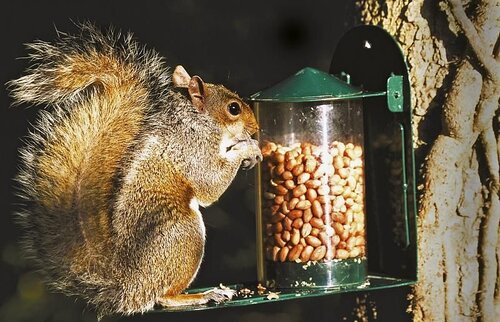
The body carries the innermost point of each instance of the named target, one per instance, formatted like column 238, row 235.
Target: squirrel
column 115, row 170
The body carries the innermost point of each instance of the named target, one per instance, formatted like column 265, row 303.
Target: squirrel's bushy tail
column 62, row 71
column 98, row 87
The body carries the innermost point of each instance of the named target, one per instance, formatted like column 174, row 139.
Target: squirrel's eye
column 234, row 109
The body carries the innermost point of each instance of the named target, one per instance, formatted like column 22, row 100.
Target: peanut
column 279, row 169
column 294, row 214
column 280, row 190
column 342, row 254
column 303, row 177
column 289, row 184
column 295, row 238
column 286, row 235
column 354, row 252
column 277, row 217
column 324, row 238
column 318, row 253
column 303, row 205
column 287, row 175
column 314, row 183
column 299, row 190
column 293, row 203
column 283, row 253
column 287, row 223
column 307, row 215
column 311, row 194
column 306, row 253
column 290, row 164
column 275, row 252
column 306, row 229
column 310, row 165
column 295, row 252
column 316, row 209
column 317, row 223
column 297, row 170
column 313, row 241
column 297, row 223
column 279, row 241
column 285, row 208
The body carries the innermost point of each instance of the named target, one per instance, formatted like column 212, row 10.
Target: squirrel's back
column 98, row 88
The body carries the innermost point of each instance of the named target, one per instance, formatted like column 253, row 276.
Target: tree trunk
column 452, row 52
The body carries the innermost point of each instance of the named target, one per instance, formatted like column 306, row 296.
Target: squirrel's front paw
column 246, row 152
column 219, row 295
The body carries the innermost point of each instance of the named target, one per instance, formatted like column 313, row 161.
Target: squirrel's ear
column 180, row 77
column 195, row 86
column 196, row 90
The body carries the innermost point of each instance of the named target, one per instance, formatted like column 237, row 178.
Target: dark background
column 244, row 45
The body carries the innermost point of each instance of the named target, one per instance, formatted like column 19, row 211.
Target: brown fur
column 113, row 170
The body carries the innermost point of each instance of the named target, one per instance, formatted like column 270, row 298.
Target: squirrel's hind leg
column 216, row 295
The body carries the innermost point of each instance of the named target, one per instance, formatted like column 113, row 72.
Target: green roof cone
column 308, row 85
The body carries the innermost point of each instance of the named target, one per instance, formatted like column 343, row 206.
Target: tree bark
column 452, row 52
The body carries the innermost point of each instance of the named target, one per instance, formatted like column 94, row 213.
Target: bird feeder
column 335, row 195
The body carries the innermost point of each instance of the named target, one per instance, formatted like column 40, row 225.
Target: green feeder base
column 332, row 274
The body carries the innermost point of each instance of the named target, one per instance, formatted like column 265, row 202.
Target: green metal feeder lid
column 308, row 85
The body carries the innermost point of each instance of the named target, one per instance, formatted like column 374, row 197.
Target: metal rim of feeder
column 312, row 85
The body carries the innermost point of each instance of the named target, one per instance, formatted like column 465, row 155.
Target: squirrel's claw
column 253, row 157
column 219, row 295
column 249, row 163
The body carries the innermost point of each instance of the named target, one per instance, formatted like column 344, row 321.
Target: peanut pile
column 313, row 202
